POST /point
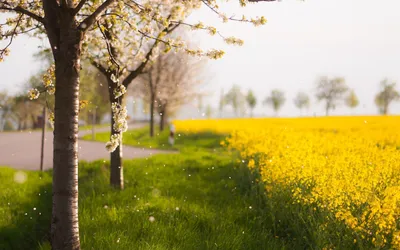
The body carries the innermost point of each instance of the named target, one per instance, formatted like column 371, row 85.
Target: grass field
column 193, row 200
column 183, row 141
column 89, row 127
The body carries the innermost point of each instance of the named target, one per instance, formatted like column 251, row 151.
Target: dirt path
column 21, row 150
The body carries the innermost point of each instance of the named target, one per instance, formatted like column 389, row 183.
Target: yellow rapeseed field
column 347, row 166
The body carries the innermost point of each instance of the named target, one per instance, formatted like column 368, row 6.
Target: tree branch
column 133, row 74
column 13, row 34
column 79, row 7
column 106, row 34
column 51, row 13
column 21, row 10
column 99, row 67
column 63, row 3
column 90, row 20
column 256, row 1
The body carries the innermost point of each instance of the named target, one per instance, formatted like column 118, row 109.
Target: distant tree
column 276, row 100
column 251, row 101
column 352, row 100
column 236, row 99
column 94, row 90
column 25, row 112
column 8, row 126
column 302, row 101
column 6, row 104
column 209, row 111
column 45, row 56
column 200, row 103
column 168, row 83
column 221, row 103
column 386, row 96
column 330, row 91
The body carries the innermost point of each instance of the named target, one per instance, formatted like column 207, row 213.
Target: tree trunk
column 327, row 110
column 162, row 120
column 152, row 99
column 116, row 167
column 42, row 143
column 64, row 224
column 34, row 124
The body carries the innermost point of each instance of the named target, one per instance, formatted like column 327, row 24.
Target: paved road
column 21, row 150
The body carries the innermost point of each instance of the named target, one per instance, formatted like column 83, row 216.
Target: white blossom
column 51, row 89
column 119, row 91
column 114, row 78
column 33, row 94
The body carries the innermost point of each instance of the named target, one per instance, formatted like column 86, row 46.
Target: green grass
column 24, row 209
column 89, row 127
column 141, row 138
column 198, row 201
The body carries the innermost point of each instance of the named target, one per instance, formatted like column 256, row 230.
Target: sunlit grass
column 89, row 127
column 197, row 201
column 25, row 207
column 183, row 141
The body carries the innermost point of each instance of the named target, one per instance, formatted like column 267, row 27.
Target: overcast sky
column 356, row 39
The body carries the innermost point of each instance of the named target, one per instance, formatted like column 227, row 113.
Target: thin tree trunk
column 34, row 124
column 2, row 123
column 64, row 224
column 116, row 167
column 162, row 120
column 93, row 123
column 152, row 99
column 43, row 132
column 327, row 110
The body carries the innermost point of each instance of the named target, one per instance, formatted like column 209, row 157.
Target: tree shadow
column 235, row 205
column 30, row 221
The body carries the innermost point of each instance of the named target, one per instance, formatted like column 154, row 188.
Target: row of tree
column 18, row 112
column 332, row 92
column 119, row 38
column 166, row 84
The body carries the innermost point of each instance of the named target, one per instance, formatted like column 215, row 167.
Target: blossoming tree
column 123, row 45
column 168, row 83
column 67, row 24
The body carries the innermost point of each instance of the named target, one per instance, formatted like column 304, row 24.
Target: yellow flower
column 345, row 166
